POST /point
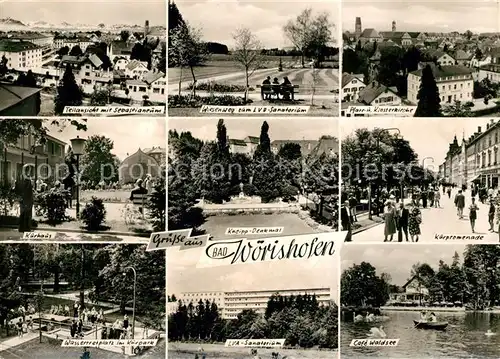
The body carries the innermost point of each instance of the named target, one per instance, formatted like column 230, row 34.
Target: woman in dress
column 390, row 221
column 414, row 221
column 473, row 208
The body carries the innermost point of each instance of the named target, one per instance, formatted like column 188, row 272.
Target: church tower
column 393, row 26
column 358, row 28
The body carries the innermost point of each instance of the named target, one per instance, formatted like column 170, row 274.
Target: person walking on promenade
column 390, row 221
column 491, row 215
column 402, row 222
column 449, row 192
column 460, row 204
column 473, row 208
column 346, row 220
column 437, row 199
column 414, row 221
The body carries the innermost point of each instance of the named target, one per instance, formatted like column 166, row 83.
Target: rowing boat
column 430, row 325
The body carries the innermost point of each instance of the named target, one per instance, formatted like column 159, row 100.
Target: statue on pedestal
column 241, row 190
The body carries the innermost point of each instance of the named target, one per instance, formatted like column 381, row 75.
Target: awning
column 474, row 179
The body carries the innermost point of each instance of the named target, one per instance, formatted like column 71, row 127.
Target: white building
column 352, row 84
column 442, row 58
column 231, row 304
column 455, row 83
column 376, row 94
column 136, row 69
column 490, row 72
column 42, row 40
column 120, row 63
column 87, row 70
column 153, row 84
column 21, row 55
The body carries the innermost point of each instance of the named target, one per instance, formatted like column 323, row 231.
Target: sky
column 398, row 260
column 129, row 12
column 218, row 20
column 183, row 276
column 128, row 134
column 427, row 137
column 238, row 128
column 428, row 15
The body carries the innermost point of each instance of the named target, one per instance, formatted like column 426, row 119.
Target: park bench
column 270, row 91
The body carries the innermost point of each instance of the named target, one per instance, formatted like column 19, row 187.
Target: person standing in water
column 473, row 208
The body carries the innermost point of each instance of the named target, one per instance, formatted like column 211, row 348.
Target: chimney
column 478, row 129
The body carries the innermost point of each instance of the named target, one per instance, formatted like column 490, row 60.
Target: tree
column 458, row 109
column 299, row 32
column 63, row 51
column 320, row 36
column 428, row 96
column 68, row 92
column 186, row 50
column 174, row 17
column 76, row 51
column 27, row 80
column 124, row 35
column 478, row 54
column 3, row 65
column 98, row 162
column 290, row 151
column 390, row 66
column 360, row 286
column 247, row 53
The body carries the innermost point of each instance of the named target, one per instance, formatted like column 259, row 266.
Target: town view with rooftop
column 65, row 53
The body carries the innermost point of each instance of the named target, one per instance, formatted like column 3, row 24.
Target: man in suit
column 460, row 204
column 402, row 222
column 346, row 220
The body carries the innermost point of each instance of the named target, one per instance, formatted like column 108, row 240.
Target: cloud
column 220, row 19
column 128, row 134
column 425, row 16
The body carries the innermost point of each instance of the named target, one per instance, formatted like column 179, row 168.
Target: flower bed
column 198, row 101
column 219, row 87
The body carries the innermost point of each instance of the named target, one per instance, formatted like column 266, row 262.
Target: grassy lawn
column 217, row 225
column 218, row 351
column 221, row 65
column 51, row 349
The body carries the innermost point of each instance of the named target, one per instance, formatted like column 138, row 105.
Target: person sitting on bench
column 138, row 195
column 286, row 88
column 266, row 85
column 276, row 87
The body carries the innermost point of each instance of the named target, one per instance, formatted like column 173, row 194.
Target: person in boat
column 432, row 318
column 423, row 317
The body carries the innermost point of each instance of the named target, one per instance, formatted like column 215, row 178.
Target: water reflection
column 464, row 338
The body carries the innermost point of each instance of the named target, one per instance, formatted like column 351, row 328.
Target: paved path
column 436, row 221
column 15, row 341
column 325, row 81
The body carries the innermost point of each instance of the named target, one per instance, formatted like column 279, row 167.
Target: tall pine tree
column 68, row 92
column 429, row 103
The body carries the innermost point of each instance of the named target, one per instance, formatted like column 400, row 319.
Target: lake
column 463, row 338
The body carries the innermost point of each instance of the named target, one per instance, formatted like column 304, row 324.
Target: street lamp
column 133, row 306
column 77, row 146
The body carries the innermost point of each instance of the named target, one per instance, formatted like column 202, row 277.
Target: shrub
column 93, row 214
column 52, row 205
column 7, row 199
column 157, row 206
column 219, row 87
column 188, row 101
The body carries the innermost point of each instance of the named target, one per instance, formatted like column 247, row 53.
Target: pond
column 463, row 338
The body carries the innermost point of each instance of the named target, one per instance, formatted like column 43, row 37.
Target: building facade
column 352, row 84
column 485, row 146
column 46, row 161
column 231, row 304
column 455, row 83
column 21, row 55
